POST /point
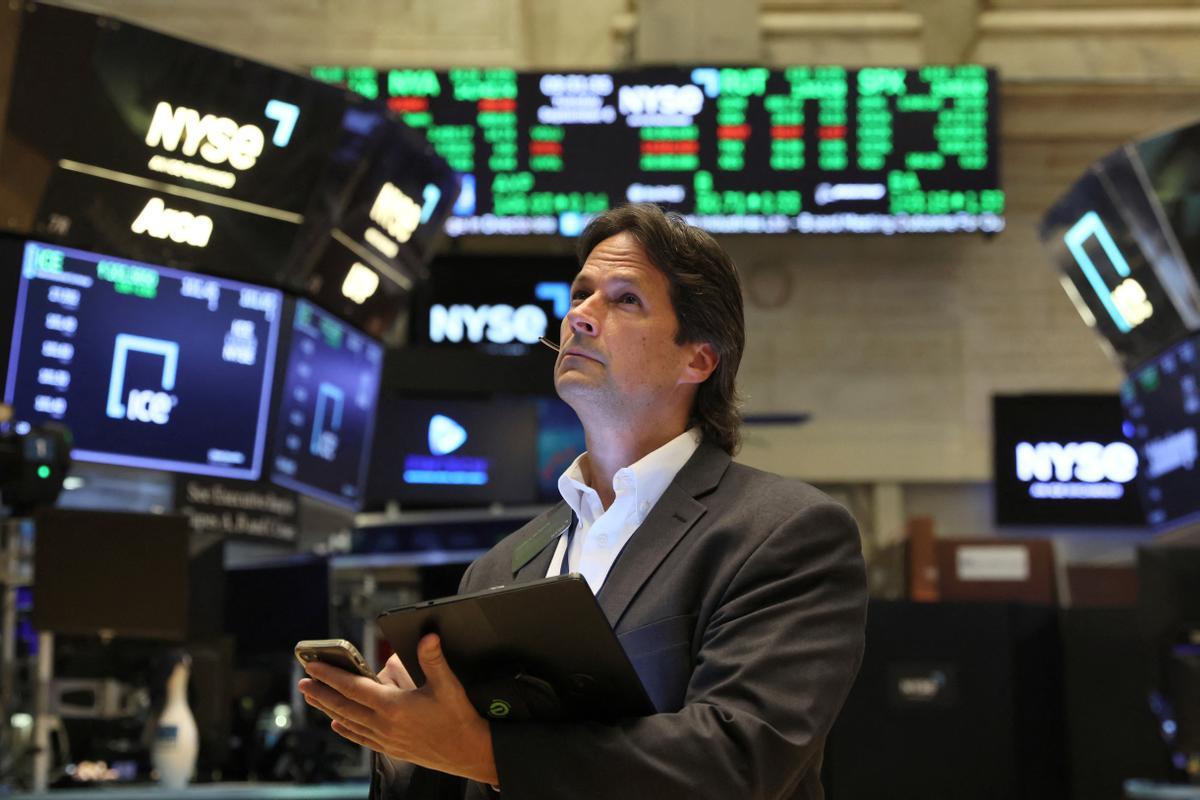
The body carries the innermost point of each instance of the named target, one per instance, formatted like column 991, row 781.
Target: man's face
column 618, row 353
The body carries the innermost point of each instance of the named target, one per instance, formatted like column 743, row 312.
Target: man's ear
column 704, row 360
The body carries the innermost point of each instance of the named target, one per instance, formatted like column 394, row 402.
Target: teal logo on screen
column 142, row 405
column 1126, row 302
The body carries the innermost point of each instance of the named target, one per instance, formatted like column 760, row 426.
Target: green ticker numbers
column 750, row 82
column 413, row 83
column 710, row 201
column 455, row 143
column 472, row 85
column 670, row 162
column 128, row 278
column 362, row 80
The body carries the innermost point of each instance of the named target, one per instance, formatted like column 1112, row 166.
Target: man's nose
column 581, row 320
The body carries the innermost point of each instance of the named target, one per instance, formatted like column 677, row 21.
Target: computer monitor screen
column 455, row 452
column 100, row 571
column 1064, row 460
column 1162, row 406
column 272, row 605
column 326, row 414
column 147, row 366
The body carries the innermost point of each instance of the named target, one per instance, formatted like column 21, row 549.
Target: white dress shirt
column 600, row 533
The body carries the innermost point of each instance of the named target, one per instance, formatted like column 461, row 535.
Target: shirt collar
column 648, row 477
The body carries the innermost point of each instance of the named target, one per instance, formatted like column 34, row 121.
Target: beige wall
column 894, row 345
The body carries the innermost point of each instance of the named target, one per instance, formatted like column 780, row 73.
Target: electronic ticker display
column 326, row 415
column 147, row 366
column 1162, row 409
column 736, row 150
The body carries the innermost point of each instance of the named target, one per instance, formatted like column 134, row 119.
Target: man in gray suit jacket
column 739, row 596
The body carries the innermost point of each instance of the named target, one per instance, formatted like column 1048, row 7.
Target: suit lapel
column 667, row 523
column 532, row 556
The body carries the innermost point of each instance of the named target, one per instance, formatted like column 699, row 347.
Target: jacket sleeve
column 776, row 661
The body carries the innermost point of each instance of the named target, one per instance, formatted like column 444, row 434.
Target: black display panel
column 1171, row 163
column 128, row 141
column 1162, row 405
column 148, row 366
column 455, row 452
column 326, row 412
column 1118, row 262
column 1063, row 460
column 737, row 150
column 500, row 306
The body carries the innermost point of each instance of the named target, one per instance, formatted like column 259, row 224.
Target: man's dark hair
column 706, row 295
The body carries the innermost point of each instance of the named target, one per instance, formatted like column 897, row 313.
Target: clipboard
column 541, row 650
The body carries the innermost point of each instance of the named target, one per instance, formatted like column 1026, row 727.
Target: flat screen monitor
column 447, row 453
column 269, row 606
column 97, row 571
column 1064, row 460
column 1171, row 164
column 147, row 366
column 1162, row 406
column 1118, row 261
column 325, row 417
column 797, row 149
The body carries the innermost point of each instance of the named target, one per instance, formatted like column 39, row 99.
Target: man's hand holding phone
column 434, row 726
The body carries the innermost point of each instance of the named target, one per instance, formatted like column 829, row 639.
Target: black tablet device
column 541, row 650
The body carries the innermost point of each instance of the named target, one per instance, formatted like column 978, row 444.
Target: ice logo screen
column 143, row 405
column 445, row 436
column 324, row 440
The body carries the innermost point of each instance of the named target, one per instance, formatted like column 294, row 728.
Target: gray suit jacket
column 741, row 601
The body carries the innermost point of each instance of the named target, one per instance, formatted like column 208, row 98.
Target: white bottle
column 176, row 740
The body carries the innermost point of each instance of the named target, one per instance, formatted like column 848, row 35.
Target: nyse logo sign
column 142, row 405
column 218, row 140
column 1123, row 298
column 1076, row 470
column 498, row 324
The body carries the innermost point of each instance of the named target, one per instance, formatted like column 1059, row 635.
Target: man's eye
column 630, row 298
column 578, row 296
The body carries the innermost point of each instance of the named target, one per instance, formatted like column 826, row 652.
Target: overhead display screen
column 326, row 415
column 1064, row 460
column 1120, row 265
column 736, row 150
column 455, row 452
column 147, row 366
column 132, row 142
column 1162, row 406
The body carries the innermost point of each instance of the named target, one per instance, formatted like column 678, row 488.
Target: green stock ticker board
column 736, row 150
